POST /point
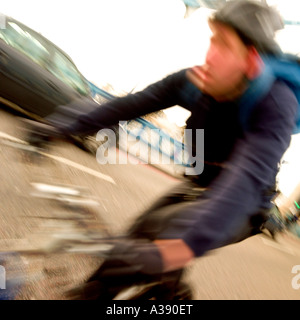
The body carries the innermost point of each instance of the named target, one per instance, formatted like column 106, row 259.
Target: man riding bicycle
column 240, row 162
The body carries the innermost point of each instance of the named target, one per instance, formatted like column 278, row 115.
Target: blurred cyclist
column 241, row 162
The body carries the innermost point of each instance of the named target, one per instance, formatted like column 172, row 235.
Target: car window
column 23, row 41
column 64, row 69
column 43, row 53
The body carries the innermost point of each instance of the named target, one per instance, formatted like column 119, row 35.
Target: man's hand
column 133, row 262
column 148, row 258
column 175, row 253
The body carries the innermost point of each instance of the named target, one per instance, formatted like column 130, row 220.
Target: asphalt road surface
column 257, row 268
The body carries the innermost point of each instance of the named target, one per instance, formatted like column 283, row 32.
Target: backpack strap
column 256, row 91
column 287, row 69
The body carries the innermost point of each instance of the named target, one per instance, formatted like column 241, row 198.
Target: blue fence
column 155, row 138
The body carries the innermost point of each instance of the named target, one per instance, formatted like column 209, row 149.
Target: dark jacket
column 250, row 157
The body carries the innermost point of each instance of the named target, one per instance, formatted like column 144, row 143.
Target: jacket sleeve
column 236, row 193
column 160, row 95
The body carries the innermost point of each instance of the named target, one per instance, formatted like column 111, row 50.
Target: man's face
column 226, row 64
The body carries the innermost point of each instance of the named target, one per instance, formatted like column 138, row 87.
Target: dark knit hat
column 255, row 22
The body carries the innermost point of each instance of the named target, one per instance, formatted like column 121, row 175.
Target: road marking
column 11, row 138
column 80, row 167
column 68, row 162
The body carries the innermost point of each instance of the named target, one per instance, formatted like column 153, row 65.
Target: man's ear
column 255, row 63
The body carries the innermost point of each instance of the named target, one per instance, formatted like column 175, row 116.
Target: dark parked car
column 35, row 75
